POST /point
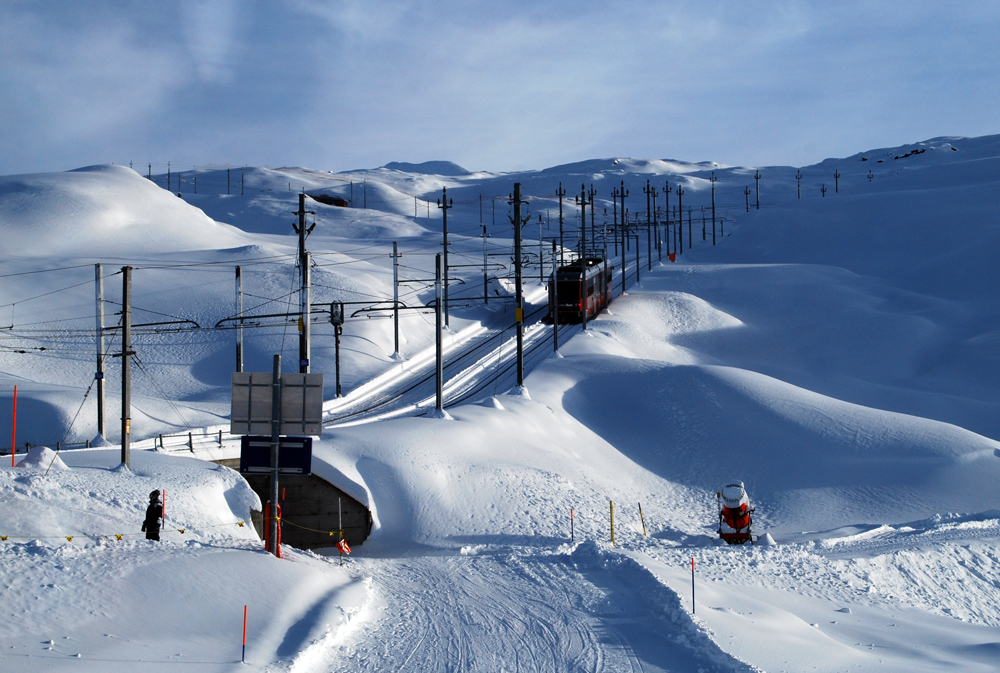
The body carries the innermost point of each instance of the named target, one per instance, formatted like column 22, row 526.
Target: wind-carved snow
column 832, row 352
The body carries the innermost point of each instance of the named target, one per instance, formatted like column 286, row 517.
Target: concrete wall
column 309, row 510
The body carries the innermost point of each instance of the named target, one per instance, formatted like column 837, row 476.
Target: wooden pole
column 612, row 523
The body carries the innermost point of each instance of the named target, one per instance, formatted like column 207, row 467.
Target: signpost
column 301, row 404
column 277, row 404
column 294, row 455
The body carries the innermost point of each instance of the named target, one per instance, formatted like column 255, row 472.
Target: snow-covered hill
column 836, row 352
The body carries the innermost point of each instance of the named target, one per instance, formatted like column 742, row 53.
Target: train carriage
column 581, row 286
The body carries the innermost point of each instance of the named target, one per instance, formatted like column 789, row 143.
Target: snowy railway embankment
column 836, row 353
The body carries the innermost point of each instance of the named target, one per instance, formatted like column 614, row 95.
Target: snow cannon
column 734, row 513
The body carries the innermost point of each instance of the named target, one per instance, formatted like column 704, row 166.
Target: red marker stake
column 572, row 536
column 13, row 430
column 244, row 657
column 692, row 586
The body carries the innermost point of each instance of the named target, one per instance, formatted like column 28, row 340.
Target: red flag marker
column 692, row 586
column 244, row 657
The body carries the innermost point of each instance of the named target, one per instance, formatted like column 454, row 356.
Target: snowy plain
column 837, row 352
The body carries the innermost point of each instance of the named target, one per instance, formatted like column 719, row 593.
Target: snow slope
column 834, row 352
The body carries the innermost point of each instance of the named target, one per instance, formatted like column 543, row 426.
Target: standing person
column 151, row 526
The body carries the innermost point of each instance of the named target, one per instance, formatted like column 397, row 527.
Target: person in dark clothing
column 151, row 526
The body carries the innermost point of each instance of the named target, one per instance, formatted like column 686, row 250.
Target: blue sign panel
column 294, row 455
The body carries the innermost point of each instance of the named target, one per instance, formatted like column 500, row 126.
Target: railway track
column 482, row 367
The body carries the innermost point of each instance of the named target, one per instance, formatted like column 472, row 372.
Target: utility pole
column 486, row 279
column 99, row 376
column 364, row 191
column 561, row 193
column 870, row 176
column 395, row 299
column 337, row 318
column 305, row 319
column 168, row 176
column 689, row 227
column 518, row 306
column 836, row 181
column 275, row 447
column 541, row 252
column 656, row 228
column 484, row 235
column 680, row 229
column 614, row 212
column 438, row 349
column 242, row 176
column 126, row 356
column 756, row 177
column 305, row 305
column 713, row 207
column 746, row 192
column 555, row 300
column 593, row 233
column 703, row 224
column 648, row 190
column 227, row 180
column 798, row 182
column 584, row 298
column 678, row 224
column 823, row 190
column 582, row 202
column 239, row 319
column 445, row 207
column 666, row 206
column 637, row 265
column 621, row 194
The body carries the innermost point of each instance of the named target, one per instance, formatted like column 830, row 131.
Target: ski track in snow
column 578, row 608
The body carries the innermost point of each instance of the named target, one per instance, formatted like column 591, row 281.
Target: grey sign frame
column 301, row 404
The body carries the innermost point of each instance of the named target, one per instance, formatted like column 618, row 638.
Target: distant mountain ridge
column 428, row 168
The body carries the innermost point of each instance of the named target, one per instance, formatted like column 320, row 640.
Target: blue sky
column 491, row 86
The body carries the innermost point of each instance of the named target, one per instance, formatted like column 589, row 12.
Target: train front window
column 568, row 292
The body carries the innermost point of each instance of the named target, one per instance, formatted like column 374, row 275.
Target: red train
column 583, row 285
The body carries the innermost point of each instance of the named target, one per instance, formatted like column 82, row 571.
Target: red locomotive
column 582, row 285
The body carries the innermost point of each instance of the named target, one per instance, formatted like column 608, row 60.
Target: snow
column 835, row 353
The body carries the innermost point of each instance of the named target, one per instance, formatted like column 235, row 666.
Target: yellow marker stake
column 612, row 523
column 643, row 520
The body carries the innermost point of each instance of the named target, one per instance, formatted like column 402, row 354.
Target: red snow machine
column 734, row 513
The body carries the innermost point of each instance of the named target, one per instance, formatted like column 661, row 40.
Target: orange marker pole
column 13, row 430
column 692, row 586
column 571, row 534
column 243, row 658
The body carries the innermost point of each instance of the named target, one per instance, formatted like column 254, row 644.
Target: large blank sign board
column 301, row 404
